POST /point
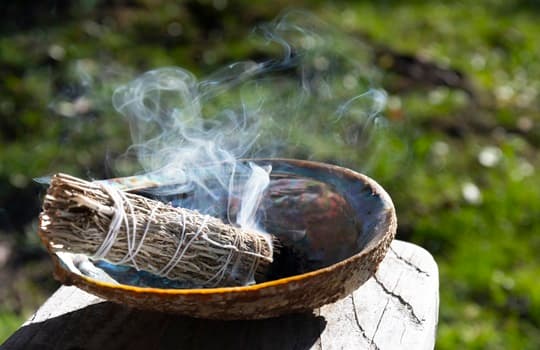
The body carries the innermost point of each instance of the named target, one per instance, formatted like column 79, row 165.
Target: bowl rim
column 390, row 227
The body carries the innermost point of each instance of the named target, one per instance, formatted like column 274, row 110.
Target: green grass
column 10, row 322
column 426, row 155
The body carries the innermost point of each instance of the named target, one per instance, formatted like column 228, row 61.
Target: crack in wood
column 362, row 330
column 33, row 317
column 408, row 263
column 404, row 302
column 402, row 335
column 380, row 319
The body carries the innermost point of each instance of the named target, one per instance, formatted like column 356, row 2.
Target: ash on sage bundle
column 127, row 229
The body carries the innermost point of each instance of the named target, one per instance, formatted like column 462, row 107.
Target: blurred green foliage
column 459, row 158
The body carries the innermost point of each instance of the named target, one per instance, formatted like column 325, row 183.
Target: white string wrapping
column 123, row 228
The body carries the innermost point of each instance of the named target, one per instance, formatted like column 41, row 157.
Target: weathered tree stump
column 396, row 309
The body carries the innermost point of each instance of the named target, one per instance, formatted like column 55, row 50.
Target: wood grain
column 396, row 309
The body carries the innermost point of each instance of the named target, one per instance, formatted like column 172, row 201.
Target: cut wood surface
column 396, row 309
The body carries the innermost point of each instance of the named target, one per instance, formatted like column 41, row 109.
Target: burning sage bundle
column 127, row 229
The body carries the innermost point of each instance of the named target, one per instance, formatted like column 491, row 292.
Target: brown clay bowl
column 373, row 208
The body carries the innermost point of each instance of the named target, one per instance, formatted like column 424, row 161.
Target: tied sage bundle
column 128, row 229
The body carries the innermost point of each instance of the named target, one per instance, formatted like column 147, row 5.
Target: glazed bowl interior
column 323, row 215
